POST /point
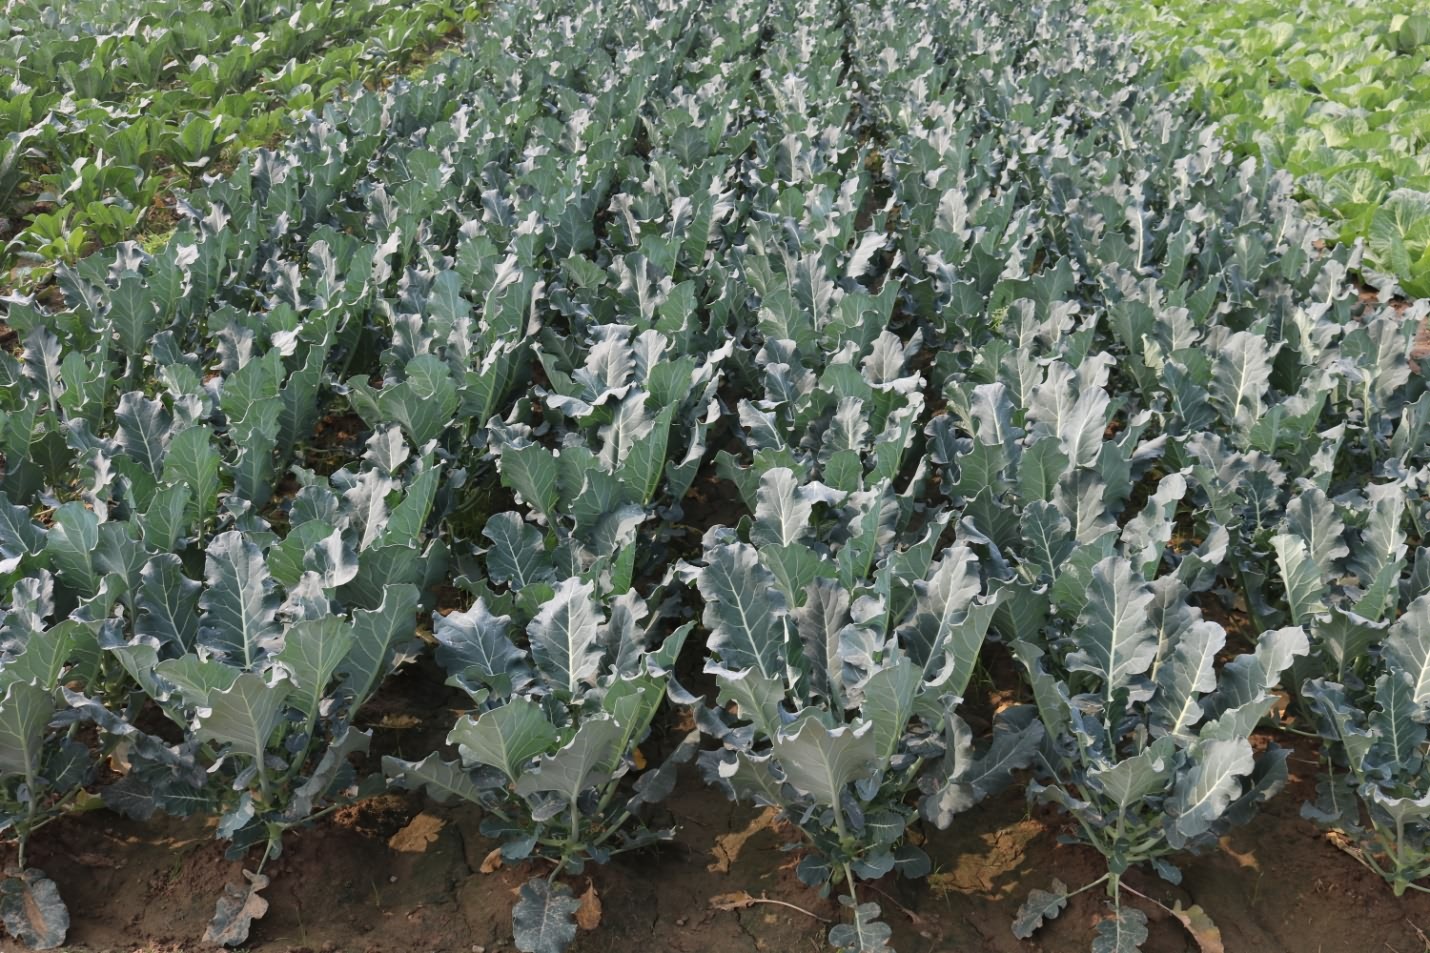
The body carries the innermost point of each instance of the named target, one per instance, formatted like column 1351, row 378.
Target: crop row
column 1336, row 93
column 983, row 334
column 100, row 113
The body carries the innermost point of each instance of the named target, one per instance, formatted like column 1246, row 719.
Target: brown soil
column 398, row 874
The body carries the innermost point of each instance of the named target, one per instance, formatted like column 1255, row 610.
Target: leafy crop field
column 106, row 106
column 1335, row 91
column 753, row 475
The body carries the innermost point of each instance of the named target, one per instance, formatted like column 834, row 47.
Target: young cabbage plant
column 841, row 658
column 1148, row 746
column 1376, row 789
column 565, row 683
column 266, row 663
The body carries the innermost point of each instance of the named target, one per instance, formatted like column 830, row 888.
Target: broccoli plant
column 842, row 640
column 565, row 682
column 266, row 663
column 43, row 766
column 1376, row 787
column 1148, row 746
column 1345, row 573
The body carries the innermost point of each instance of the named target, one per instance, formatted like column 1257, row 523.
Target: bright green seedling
column 101, row 110
column 52, row 237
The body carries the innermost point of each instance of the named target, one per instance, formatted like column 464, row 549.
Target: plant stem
column 299, row 761
column 1088, row 886
column 853, row 895
column 912, row 774
column 1153, row 900
column 611, row 829
column 29, row 827
column 1256, row 620
column 55, row 811
column 267, row 853
column 263, row 782
column 323, row 813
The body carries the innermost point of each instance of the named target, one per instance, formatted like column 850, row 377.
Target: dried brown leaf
column 737, row 900
column 728, row 846
column 419, row 834
column 91, row 859
column 740, row 900
column 236, row 910
column 588, row 915
column 1200, row 926
column 1247, row 860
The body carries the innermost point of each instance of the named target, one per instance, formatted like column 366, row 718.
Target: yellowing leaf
column 1200, row 926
